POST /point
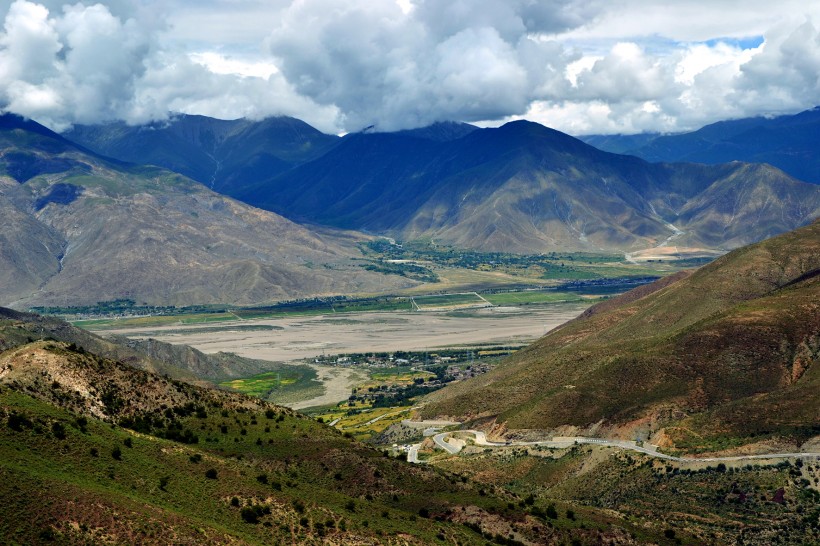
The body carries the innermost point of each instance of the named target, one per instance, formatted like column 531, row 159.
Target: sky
column 579, row 66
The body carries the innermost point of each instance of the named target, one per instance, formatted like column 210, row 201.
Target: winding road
column 568, row 441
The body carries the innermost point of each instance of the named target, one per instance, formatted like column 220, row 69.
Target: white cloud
column 225, row 64
column 577, row 65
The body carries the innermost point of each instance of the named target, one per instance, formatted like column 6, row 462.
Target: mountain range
column 789, row 143
column 521, row 187
column 80, row 228
column 726, row 356
column 218, row 153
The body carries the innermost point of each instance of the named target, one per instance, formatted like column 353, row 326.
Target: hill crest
column 731, row 351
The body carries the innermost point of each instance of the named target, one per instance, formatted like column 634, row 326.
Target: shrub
column 17, row 422
column 529, row 500
column 211, row 474
column 117, row 453
column 58, row 430
column 250, row 514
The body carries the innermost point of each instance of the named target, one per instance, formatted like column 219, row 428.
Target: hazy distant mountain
column 619, row 144
column 79, row 229
column 526, row 188
column 222, row 154
column 521, row 187
column 790, row 143
column 723, row 356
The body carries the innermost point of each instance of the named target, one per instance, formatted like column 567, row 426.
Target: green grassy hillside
column 93, row 451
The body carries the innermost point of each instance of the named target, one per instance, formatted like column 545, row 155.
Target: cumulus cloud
column 438, row 61
column 580, row 66
column 84, row 64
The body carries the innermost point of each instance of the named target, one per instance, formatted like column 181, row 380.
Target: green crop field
column 525, row 297
column 290, row 384
column 448, row 300
column 158, row 320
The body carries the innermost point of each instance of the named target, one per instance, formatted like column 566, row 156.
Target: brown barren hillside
column 78, row 228
column 728, row 355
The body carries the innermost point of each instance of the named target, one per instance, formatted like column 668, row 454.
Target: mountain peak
column 9, row 122
column 441, row 131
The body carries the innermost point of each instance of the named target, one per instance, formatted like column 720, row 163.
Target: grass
column 526, row 297
column 312, row 482
column 702, row 503
column 397, row 376
column 448, row 300
column 157, row 320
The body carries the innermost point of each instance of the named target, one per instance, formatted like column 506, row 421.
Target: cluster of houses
column 392, row 360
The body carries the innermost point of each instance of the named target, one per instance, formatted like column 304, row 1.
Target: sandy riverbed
column 296, row 339
column 307, row 337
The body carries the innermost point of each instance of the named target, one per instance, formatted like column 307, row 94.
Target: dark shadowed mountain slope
column 526, row 188
column 80, row 229
column 790, row 143
column 726, row 356
column 222, row 154
column 441, row 131
column 521, row 187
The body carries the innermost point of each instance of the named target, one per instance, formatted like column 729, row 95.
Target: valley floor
column 311, row 336
column 296, row 339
